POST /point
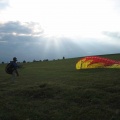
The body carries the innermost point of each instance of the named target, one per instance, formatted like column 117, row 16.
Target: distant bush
column 45, row 60
column 24, row 61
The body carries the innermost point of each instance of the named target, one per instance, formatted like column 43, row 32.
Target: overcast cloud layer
column 29, row 41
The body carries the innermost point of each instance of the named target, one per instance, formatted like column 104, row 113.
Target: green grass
column 55, row 90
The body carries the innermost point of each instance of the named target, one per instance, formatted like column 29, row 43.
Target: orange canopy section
column 96, row 62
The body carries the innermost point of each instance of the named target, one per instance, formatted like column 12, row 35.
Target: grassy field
column 55, row 90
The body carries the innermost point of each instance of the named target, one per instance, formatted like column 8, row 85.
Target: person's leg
column 13, row 75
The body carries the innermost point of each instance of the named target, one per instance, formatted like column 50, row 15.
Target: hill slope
column 55, row 90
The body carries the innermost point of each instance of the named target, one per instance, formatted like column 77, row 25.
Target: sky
column 50, row 29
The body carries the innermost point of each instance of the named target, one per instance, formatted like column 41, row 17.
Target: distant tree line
column 24, row 61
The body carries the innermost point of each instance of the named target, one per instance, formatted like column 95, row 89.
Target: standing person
column 12, row 67
column 15, row 67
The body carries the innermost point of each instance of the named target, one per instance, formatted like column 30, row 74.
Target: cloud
column 18, row 28
column 27, row 41
column 19, row 39
column 4, row 4
column 16, row 33
column 14, row 27
column 115, row 35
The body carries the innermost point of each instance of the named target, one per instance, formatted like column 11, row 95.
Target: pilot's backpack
column 9, row 68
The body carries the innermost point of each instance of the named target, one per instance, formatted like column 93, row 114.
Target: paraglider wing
column 96, row 62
